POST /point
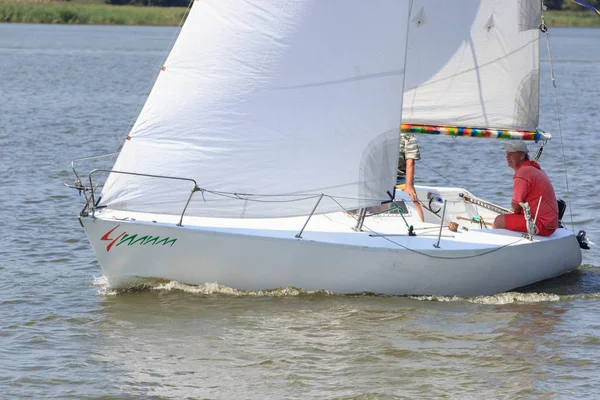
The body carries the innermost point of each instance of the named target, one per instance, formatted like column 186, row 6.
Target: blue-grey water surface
column 73, row 91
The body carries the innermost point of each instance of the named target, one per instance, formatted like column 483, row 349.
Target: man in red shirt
column 529, row 184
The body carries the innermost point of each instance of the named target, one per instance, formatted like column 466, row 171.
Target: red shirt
column 529, row 183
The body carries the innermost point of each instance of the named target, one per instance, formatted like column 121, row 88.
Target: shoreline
column 104, row 14
column 89, row 14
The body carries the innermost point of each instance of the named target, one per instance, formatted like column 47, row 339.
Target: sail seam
column 474, row 68
column 345, row 80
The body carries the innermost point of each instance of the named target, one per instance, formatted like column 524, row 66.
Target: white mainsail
column 271, row 97
column 473, row 63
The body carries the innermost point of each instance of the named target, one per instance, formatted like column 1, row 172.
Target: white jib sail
column 473, row 63
column 271, row 97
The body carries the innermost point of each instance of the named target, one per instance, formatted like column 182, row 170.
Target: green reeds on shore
column 572, row 18
column 94, row 14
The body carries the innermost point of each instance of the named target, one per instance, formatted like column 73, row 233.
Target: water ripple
column 74, row 91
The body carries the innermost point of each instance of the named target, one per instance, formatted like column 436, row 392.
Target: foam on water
column 107, row 288
column 497, row 299
column 111, row 288
column 104, row 288
column 511, row 298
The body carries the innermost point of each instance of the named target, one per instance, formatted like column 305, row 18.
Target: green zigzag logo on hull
column 132, row 240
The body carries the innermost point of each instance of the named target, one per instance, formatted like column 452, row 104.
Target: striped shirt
column 409, row 150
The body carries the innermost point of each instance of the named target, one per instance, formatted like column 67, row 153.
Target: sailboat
column 265, row 155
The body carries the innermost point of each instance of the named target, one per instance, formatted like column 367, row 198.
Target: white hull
column 265, row 254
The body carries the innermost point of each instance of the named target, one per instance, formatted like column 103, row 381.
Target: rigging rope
column 544, row 29
column 423, row 253
column 421, row 162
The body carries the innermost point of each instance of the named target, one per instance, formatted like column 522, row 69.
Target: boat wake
column 509, row 298
column 534, row 295
column 133, row 285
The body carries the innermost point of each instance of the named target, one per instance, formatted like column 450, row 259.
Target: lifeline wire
column 425, row 254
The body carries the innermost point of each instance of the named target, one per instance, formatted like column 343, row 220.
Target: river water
column 73, row 91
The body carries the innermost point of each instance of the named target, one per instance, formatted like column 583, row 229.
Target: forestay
column 271, row 97
column 473, row 63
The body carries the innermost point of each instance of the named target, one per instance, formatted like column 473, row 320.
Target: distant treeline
column 551, row 4
column 569, row 4
column 164, row 12
column 151, row 3
column 74, row 12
